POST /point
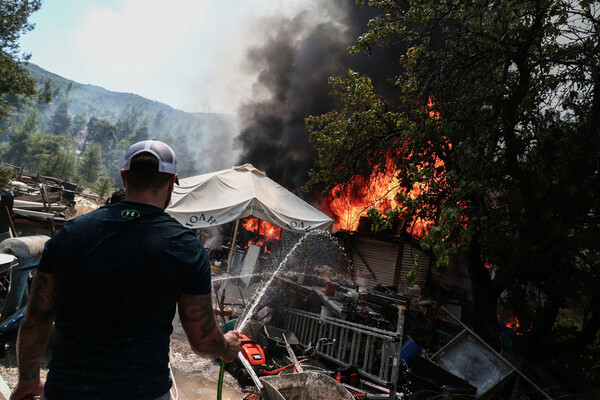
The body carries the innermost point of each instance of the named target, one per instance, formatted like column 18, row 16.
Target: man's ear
column 172, row 182
column 123, row 179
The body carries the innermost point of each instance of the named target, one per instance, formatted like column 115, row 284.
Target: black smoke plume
column 293, row 67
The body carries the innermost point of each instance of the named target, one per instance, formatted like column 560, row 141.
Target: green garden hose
column 220, row 382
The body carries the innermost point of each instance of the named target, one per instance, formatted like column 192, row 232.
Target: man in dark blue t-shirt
column 111, row 280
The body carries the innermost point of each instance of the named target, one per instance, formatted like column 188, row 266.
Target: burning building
column 292, row 66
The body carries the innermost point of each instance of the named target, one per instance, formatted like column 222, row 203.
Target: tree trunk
column 485, row 296
column 545, row 317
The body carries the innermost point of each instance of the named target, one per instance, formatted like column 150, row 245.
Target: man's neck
column 148, row 197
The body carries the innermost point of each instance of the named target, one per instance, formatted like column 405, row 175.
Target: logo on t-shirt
column 130, row 214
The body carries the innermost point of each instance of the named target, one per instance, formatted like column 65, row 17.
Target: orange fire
column 432, row 114
column 378, row 191
column 250, row 224
column 513, row 323
column 264, row 231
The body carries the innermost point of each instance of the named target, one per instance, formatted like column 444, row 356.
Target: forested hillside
column 79, row 132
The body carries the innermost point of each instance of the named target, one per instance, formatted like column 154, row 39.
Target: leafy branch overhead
column 14, row 80
column 495, row 115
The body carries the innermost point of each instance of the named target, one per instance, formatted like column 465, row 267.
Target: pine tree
column 90, row 164
column 60, row 122
column 14, row 79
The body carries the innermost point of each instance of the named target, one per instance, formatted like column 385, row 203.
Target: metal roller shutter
column 381, row 258
column 409, row 252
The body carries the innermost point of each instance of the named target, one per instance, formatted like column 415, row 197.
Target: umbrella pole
column 232, row 249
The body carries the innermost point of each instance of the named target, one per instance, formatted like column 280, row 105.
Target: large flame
column 351, row 202
column 264, row 232
column 378, row 191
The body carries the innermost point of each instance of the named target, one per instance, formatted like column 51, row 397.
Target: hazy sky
column 188, row 54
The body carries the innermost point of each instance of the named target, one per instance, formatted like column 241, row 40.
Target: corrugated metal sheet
column 409, row 253
column 376, row 257
column 380, row 256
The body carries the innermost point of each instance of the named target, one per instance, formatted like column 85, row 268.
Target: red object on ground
column 278, row 370
column 331, row 288
column 252, row 351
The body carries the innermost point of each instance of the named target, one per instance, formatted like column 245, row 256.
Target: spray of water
column 259, row 295
column 225, row 278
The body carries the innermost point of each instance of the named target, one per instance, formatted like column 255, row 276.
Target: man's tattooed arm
column 42, row 307
column 200, row 325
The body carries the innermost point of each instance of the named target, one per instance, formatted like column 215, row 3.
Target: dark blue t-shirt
column 121, row 270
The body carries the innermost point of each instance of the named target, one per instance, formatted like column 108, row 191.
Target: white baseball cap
column 167, row 160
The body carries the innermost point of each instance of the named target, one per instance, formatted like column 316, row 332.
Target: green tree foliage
column 158, row 121
column 60, row 122
column 14, row 79
column 90, row 164
column 6, row 177
column 129, row 129
column 115, row 160
column 103, row 132
column 141, row 133
column 43, row 146
column 128, row 122
column 59, row 165
column 112, row 120
column 186, row 165
column 23, row 128
column 103, row 187
column 130, row 113
column 497, row 114
column 45, row 93
column 78, row 125
column 47, row 154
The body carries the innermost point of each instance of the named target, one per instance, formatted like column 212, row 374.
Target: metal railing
column 375, row 352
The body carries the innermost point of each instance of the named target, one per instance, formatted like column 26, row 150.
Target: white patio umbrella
column 224, row 196
column 232, row 194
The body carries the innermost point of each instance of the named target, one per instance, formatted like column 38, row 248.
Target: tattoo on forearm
column 44, row 297
column 31, row 350
column 33, row 333
column 198, row 310
column 212, row 344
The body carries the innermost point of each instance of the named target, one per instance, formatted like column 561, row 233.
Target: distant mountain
column 208, row 137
